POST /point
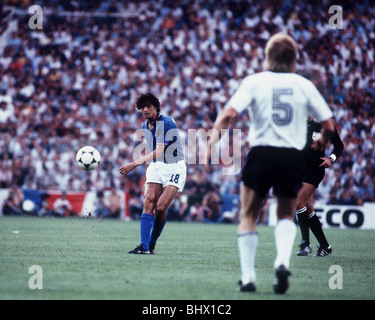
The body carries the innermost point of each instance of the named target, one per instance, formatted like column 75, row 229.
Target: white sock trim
column 246, row 233
column 302, row 210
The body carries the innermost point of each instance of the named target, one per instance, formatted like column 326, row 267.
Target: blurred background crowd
column 74, row 83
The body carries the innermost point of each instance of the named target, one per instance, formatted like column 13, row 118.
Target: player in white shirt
column 279, row 102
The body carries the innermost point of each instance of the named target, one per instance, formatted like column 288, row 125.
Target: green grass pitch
column 87, row 259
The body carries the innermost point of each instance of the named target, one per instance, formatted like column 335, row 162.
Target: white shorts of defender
column 167, row 174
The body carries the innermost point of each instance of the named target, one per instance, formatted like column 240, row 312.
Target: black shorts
column 313, row 174
column 280, row 168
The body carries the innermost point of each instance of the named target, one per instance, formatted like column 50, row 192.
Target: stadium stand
column 73, row 83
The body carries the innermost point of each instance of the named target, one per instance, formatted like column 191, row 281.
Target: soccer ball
column 88, row 158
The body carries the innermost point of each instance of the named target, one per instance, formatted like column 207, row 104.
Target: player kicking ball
column 278, row 102
column 165, row 175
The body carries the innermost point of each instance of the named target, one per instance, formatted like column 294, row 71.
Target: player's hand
column 327, row 162
column 125, row 169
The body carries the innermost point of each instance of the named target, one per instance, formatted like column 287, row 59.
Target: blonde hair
column 281, row 53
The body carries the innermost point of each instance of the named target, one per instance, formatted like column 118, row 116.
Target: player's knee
column 300, row 204
column 149, row 201
column 160, row 208
column 309, row 207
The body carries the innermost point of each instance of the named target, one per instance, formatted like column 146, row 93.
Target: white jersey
column 279, row 104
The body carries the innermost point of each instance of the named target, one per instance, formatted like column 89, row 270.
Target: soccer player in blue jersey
column 165, row 175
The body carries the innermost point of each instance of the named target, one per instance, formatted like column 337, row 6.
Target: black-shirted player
column 316, row 163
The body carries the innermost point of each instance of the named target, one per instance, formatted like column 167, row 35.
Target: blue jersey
column 164, row 132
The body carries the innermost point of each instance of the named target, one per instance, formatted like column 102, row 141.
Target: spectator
column 196, row 213
column 347, row 197
column 13, row 203
column 114, row 204
column 135, row 206
column 347, row 162
column 5, row 174
column 322, row 192
column 6, row 113
column 101, row 207
column 46, row 209
column 62, row 207
column 212, row 206
column 178, row 210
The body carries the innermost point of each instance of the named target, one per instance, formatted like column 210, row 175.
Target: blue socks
column 148, row 223
column 156, row 232
column 147, row 220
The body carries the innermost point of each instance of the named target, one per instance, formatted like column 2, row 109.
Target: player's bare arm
column 157, row 153
column 224, row 119
column 222, row 122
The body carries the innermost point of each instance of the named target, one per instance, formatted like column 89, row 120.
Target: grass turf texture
column 87, row 259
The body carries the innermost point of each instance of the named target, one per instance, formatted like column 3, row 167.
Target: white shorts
column 167, row 174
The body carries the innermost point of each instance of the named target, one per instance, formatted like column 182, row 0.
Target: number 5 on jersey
column 282, row 111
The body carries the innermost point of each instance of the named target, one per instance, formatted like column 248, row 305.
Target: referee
column 316, row 163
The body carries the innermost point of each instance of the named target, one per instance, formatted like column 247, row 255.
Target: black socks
column 311, row 221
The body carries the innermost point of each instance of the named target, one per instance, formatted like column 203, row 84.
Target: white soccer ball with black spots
column 88, row 158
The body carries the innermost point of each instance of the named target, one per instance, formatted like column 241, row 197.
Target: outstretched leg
column 161, row 208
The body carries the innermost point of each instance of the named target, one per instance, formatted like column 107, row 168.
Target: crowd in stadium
column 75, row 81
